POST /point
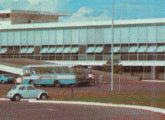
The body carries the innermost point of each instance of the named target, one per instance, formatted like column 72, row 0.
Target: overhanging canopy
column 90, row 50
column 23, row 50
column 74, row 50
column 44, row 50
column 67, row 50
column 52, row 50
column 30, row 50
column 142, row 63
column 151, row 49
column 99, row 49
column 3, row 50
column 142, row 49
column 132, row 49
column 116, row 49
column 59, row 50
column 161, row 49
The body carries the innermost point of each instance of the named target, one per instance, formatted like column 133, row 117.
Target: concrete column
column 153, row 73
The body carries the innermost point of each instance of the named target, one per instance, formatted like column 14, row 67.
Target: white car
column 26, row 92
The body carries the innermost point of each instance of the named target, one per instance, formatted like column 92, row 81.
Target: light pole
column 112, row 42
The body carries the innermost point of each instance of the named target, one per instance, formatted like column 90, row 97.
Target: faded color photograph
column 82, row 60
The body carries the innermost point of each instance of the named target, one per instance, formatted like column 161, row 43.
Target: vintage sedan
column 5, row 78
column 25, row 92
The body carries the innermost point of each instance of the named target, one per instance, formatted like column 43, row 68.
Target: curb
column 6, row 99
column 146, row 108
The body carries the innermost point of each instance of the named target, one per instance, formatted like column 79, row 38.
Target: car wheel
column 11, row 99
column 57, row 84
column 44, row 97
column 17, row 98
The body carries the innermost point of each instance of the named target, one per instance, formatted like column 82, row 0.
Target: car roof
column 23, row 85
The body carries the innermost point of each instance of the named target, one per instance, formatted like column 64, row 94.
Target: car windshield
column 7, row 75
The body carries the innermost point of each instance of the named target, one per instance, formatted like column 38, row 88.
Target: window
column 160, row 34
column 58, row 70
column 91, row 36
column 7, row 75
column 52, row 37
column 10, row 38
column 59, row 37
column 117, row 35
column 31, row 37
column 142, row 34
column 30, row 88
column 3, row 38
column 124, row 32
column 75, row 36
column 23, row 37
column 134, row 35
column 152, row 34
column 17, row 38
column 65, row 69
column 107, row 35
column 44, row 35
column 99, row 36
column 38, row 37
column 83, row 36
column 67, row 36
column 22, row 88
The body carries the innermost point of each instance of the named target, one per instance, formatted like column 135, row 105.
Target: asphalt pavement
column 38, row 111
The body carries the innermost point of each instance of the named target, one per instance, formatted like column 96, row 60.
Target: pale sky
column 88, row 10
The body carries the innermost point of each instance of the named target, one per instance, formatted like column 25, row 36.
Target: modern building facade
column 139, row 45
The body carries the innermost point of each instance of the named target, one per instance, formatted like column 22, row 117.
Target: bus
column 56, row 75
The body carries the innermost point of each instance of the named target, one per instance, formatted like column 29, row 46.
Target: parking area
column 133, row 93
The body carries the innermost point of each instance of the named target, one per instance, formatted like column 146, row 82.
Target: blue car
column 5, row 78
column 25, row 92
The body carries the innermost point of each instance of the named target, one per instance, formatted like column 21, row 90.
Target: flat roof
column 84, row 24
column 30, row 12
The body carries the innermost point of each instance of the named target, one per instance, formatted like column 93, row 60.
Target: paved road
column 31, row 111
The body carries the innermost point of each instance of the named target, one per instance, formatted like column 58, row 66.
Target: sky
column 92, row 10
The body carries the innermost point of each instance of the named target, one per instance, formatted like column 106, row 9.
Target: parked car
column 25, row 92
column 5, row 78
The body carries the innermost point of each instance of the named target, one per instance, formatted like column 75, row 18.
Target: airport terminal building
column 139, row 45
